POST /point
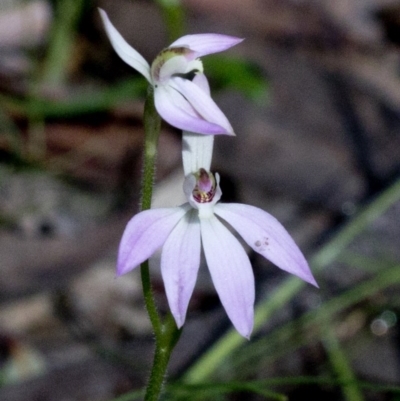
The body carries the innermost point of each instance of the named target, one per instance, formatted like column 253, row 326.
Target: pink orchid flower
column 178, row 100
column 202, row 222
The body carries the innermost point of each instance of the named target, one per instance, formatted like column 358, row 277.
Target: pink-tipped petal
column 180, row 261
column 206, row 43
column 231, row 273
column 202, row 103
column 267, row 236
column 144, row 234
column 177, row 111
column 123, row 49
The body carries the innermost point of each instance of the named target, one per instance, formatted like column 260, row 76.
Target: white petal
column 123, row 49
column 197, row 152
column 267, row 236
column 144, row 234
column 180, row 261
column 231, row 273
column 177, row 111
column 202, row 103
column 206, row 43
column 201, row 81
column 175, row 65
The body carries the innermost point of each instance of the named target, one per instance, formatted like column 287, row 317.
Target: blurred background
column 313, row 94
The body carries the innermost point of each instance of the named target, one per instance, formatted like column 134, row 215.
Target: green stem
column 157, row 376
column 164, row 345
column 217, row 354
column 149, row 300
column 152, row 126
column 166, row 333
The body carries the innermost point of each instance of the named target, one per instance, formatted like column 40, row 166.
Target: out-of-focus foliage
column 238, row 74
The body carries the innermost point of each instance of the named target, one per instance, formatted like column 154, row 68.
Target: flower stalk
column 152, row 127
column 166, row 334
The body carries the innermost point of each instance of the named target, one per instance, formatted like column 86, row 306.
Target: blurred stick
column 312, row 319
column 340, row 363
column 54, row 73
column 174, row 18
column 62, row 37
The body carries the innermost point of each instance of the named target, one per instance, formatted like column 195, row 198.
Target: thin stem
column 164, row 345
column 152, row 125
column 157, row 376
column 166, row 333
column 149, row 300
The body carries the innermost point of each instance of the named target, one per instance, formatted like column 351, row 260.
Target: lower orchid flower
column 202, row 223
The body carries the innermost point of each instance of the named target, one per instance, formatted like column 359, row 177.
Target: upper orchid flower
column 181, row 231
column 177, row 99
